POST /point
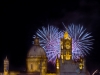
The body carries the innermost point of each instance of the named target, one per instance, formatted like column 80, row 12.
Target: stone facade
column 70, row 68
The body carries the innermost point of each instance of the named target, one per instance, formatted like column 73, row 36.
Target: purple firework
column 50, row 40
column 81, row 41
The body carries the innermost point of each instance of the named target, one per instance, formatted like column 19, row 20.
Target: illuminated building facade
column 66, row 65
column 37, row 61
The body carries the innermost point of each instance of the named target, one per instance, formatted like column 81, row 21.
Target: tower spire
column 6, row 57
column 6, row 66
column 66, row 36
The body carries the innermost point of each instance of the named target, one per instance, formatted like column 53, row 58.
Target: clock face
column 67, row 46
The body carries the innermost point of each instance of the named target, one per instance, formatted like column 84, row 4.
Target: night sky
column 19, row 20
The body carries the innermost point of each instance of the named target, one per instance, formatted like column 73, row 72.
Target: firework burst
column 81, row 41
column 50, row 40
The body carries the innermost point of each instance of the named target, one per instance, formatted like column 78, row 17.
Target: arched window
column 31, row 66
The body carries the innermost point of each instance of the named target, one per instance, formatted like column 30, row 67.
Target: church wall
column 33, row 64
column 70, row 68
column 35, row 73
column 13, row 73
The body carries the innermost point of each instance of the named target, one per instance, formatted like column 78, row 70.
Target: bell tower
column 66, row 47
column 67, row 65
column 6, row 66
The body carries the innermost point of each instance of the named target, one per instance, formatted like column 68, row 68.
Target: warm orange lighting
column 61, row 56
column 81, row 66
column 57, row 64
column 57, row 67
column 66, row 36
column 33, row 64
column 68, row 57
column 61, row 44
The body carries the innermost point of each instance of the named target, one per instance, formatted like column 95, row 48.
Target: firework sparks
column 50, row 41
column 81, row 41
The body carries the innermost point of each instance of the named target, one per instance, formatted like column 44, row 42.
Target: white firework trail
column 81, row 41
column 50, row 40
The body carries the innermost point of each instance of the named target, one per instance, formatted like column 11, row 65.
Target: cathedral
column 37, row 61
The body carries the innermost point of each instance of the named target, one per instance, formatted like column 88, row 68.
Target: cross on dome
column 36, row 40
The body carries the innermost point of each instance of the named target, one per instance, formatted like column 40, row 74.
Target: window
column 31, row 66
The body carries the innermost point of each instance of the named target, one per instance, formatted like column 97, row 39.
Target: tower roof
column 66, row 35
column 6, row 59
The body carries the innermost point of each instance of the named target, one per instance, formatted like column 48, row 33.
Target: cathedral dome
column 36, row 50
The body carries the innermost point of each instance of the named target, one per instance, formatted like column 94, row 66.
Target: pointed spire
column 6, row 57
column 66, row 35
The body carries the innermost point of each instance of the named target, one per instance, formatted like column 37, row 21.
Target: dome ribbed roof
column 36, row 50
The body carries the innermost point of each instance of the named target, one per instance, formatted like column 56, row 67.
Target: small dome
column 36, row 50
